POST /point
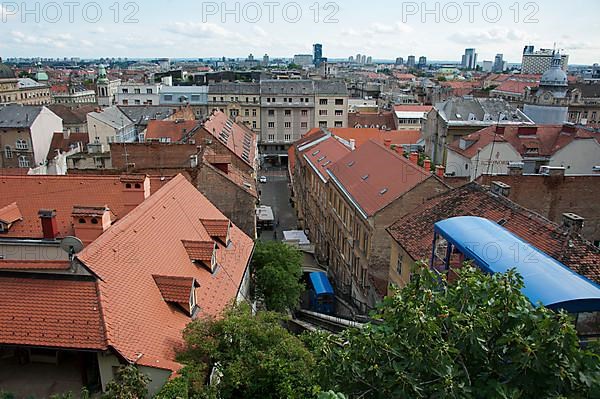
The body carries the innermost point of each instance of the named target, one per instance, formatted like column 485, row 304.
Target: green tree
column 129, row 383
column 277, row 269
column 478, row 337
column 255, row 357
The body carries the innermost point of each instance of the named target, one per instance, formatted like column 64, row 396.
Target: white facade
column 485, row 162
column 138, row 94
column 42, row 130
column 110, row 126
column 578, row 158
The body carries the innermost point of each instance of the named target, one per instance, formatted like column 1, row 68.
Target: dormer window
column 9, row 215
column 202, row 252
column 179, row 291
column 218, row 230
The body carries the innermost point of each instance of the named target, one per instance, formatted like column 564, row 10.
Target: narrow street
column 276, row 194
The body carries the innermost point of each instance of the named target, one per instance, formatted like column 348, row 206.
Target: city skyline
column 386, row 37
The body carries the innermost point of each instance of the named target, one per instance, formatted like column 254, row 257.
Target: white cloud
column 489, row 36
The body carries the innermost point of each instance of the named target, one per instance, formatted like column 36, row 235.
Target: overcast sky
column 381, row 29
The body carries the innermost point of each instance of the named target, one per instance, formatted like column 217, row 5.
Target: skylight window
column 351, row 164
column 327, row 163
column 365, row 177
column 321, row 159
column 314, row 154
column 383, row 192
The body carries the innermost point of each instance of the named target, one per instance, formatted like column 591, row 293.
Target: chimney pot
column 414, row 158
column 501, row 189
column 573, row 222
column 515, row 169
column 440, row 171
column 427, row 165
column 388, row 143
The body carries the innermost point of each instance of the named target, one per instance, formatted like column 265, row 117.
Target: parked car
column 263, row 179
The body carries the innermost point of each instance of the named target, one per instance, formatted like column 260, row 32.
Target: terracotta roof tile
column 62, row 193
column 199, row 250
column 374, row 176
column 64, row 144
column 10, row 214
column 324, row 155
column 412, row 108
column 175, row 131
column 240, row 140
column 50, row 313
column 364, row 135
column 217, row 228
column 141, row 326
column 175, row 289
column 7, row 264
column 415, row 234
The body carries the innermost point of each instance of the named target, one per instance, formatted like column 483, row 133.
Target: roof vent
column 573, row 222
column 500, row 188
column 365, row 177
column 383, row 192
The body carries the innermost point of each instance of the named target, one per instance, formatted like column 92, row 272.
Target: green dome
column 41, row 76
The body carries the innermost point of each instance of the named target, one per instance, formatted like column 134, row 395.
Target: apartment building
column 370, row 188
column 138, row 94
column 25, row 135
column 331, row 104
column 240, row 101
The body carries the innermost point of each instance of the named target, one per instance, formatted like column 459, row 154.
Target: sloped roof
column 72, row 116
column 324, row 155
column 15, row 116
column 237, row 138
column 415, row 234
column 64, row 144
column 51, row 313
column 175, row 289
column 362, row 136
column 379, row 120
column 478, row 141
column 174, row 130
column 147, row 242
column 10, row 213
column 62, row 193
column 9, row 264
column 374, row 176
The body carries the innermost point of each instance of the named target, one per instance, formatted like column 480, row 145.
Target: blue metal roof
column 496, row 250
column 320, row 283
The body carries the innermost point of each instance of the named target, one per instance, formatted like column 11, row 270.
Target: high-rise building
column 399, row 61
column 422, row 62
column 538, row 62
column 411, row 61
column 351, row 59
column 363, row 59
column 487, row 66
column 318, row 54
column 469, row 60
column 358, row 58
column 498, row 64
column 369, row 60
column 266, row 59
column 528, row 49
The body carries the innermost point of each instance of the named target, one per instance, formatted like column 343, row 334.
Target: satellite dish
column 71, row 245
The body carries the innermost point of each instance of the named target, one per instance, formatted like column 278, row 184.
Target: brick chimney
column 501, row 189
column 135, row 189
column 573, row 223
column 90, row 222
column 427, row 165
column 440, row 171
column 399, row 150
column 414, row 158
column 49, row 225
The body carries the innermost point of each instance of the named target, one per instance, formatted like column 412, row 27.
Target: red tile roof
column 375, row 120
column 374, row 176
column 415, row 234
column 10, row 214
column 217, row 228
column 62, row 193
column 363, row 136
column 50, row 313
column 140, row 325
column 515, row 86
column 173, row 130
column 324, row 155
column 479, row 141
column 175, row 289
column 240, row 140
column 8, row 264
column 199, row 250
column 412, row 108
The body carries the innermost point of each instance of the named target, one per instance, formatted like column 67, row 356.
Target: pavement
column 276, row 194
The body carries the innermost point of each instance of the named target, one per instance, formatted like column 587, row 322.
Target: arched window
column 21, row 145
column 8, row 152
column 23, row 162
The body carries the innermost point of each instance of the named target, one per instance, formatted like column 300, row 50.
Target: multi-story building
column 110, row 125
column 196, row 97
column 74, row 118
column 239, row 101
column 138, row 94
column 460, row 116
column 498, row 64
column 25, row 135
column 303, row 59
column 538, row 62
column 24, row 91
column 469, row 59
column 331, row 104
column 287, row 112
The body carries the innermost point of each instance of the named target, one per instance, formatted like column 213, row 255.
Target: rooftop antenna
column 72, row 246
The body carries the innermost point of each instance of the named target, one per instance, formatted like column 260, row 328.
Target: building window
column 323, row 101
column 148, row 91
column 323, row 124
column 271, row 137
column 254, row 112
column 339, row 124
column 399, row 265
column 195, row 98
column 271, row 112
column 125, row 102
column 339, row 101
column 323, row 112
column 8, row 152
column 253, row 124
column 138, row 102
column 288, row 112
column 23, row 162
column 246, row 112
column 304, row 125
column 21, row 145
column 339, row 112
column 304, row 112
column 138, row 91
column 271, row 125
column 288, row 137
column 288, row 125
column 125, row 91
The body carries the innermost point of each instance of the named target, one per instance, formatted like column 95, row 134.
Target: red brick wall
column 152, row 155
